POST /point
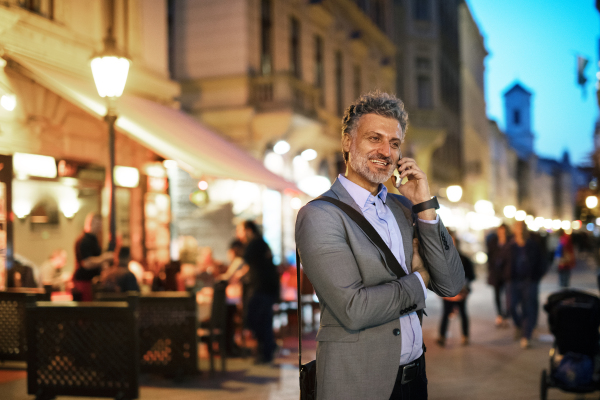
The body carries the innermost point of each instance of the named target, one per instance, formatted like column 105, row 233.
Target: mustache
column 381, row 157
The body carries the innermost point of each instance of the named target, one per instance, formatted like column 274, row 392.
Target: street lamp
column 454, row 193
column 110, row 69
column 591, row 201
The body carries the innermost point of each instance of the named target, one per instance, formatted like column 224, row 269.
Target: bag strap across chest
column 368, row 229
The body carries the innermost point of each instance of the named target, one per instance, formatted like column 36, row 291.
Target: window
column 421, row 10
column 319, row 67
column 357, row 84
column 424, row 95
column 266, row 46
column 423, row 64
column 339, row 83
column 362, row 4
column 378, row 15
column 295, row 48
column 516, row 117
column 45, row 8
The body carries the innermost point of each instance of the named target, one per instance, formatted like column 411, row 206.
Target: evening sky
column 536, row 43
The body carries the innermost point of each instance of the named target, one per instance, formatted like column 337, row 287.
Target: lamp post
column 110, row 69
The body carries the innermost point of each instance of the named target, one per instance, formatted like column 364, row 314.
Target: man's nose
column 386, row 149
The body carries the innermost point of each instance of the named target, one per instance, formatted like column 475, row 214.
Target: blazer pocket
column 336, row 334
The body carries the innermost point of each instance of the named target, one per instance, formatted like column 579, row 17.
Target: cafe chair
column 212, row 331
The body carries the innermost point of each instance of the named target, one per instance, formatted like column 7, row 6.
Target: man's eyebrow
column 380, row 134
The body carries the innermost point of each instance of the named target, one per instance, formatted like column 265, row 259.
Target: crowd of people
column 517, row 260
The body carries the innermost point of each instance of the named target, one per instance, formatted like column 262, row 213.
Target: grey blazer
column 361, row 299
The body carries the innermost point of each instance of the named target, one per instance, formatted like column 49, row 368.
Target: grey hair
column 376, row 102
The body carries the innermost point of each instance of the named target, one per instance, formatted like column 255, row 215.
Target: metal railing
column 167, row 326
column 281, row 91
column 13, row 342
column 82, row 349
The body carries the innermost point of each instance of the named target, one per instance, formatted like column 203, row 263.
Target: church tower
column 517, row 113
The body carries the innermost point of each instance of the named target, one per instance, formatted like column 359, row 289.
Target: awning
column 168, row 132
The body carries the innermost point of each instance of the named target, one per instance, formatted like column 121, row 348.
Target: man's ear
column 346, row 142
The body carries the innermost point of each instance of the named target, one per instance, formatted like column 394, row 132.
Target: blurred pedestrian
column 565, row 256
column 21, row 274
column 118, row 278
column 235, row 255
column 527, row 268
column 263, row 289
column 499, row 271
column 208, row 268
column 237, row 268
column 53, row 276
column 459, row 301
column 88, row 258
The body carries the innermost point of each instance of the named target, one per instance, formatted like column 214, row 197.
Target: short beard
column 360, row 164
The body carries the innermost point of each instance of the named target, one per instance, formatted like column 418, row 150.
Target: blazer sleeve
column 329, row 263
column 447, row 275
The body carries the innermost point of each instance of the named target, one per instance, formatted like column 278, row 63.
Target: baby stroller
column 574, row 319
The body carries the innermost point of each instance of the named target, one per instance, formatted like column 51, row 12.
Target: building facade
column 429, row 81
column 476, row 143
column 503, row 170
column 545, row 187
column 54, row 150
column 275, row 76
column 63, row 35
column 261, row 71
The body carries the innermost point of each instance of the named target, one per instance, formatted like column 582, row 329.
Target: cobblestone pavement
column 493, row 366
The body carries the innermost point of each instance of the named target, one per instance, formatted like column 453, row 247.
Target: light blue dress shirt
column 381, row 218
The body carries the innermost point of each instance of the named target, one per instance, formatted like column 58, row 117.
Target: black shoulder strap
column 298, row 284
column 368, row 229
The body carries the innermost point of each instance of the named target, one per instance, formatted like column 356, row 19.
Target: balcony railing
column 282, row 91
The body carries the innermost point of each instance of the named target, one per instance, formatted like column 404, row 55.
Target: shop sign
column 34, row 165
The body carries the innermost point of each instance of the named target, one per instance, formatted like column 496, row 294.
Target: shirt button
column 396, row 332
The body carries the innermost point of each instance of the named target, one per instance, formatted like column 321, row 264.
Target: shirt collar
column 360, row 194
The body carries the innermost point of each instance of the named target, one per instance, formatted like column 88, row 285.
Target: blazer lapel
column 340, row 191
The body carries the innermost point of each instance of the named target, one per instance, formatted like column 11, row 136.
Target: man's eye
column 395, row 145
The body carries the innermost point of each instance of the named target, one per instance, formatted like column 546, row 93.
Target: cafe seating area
column 100, row 348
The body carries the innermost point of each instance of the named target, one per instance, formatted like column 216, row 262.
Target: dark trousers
column 501, row 309
column 464, row 318
column 260, row 322
column 230, row 330
column 524, row 305
column 413, row 390
column 564, row 277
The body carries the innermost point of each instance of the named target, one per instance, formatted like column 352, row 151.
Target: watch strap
column 426, row 205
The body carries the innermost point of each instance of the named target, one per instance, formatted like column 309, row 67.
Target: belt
column 408, row 372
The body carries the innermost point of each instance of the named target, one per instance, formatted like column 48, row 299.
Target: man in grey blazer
column 370, row 343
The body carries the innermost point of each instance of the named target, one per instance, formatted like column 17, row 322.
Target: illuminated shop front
column 58, row 122
column 51, row 198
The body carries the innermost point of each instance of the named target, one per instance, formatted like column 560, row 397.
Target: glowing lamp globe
column 454, row 193
column 591, row 201
column 110, row 74
column 510, row 211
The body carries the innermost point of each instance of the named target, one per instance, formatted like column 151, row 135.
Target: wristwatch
column 426, row 205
